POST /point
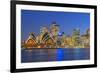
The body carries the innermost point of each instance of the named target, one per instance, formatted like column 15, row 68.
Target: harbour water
column 59, row 54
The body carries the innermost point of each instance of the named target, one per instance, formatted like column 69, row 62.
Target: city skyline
column 32, row 20
column 52, row 38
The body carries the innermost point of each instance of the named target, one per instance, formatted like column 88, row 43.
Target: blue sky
column 31, row 20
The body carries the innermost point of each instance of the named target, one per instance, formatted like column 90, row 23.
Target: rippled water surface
column 59, row 54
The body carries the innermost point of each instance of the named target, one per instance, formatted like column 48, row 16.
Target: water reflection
column 60, row 54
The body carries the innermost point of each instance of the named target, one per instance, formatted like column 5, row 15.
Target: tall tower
column 76, row 37
column 43, row 29
column 54, row 29
column 88, row 32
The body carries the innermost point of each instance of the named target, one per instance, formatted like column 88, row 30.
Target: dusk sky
column 32, row 20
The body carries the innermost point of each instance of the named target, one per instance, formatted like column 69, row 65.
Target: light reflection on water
column 59, row 54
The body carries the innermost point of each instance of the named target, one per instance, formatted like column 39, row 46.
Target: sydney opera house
column 53, row 38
